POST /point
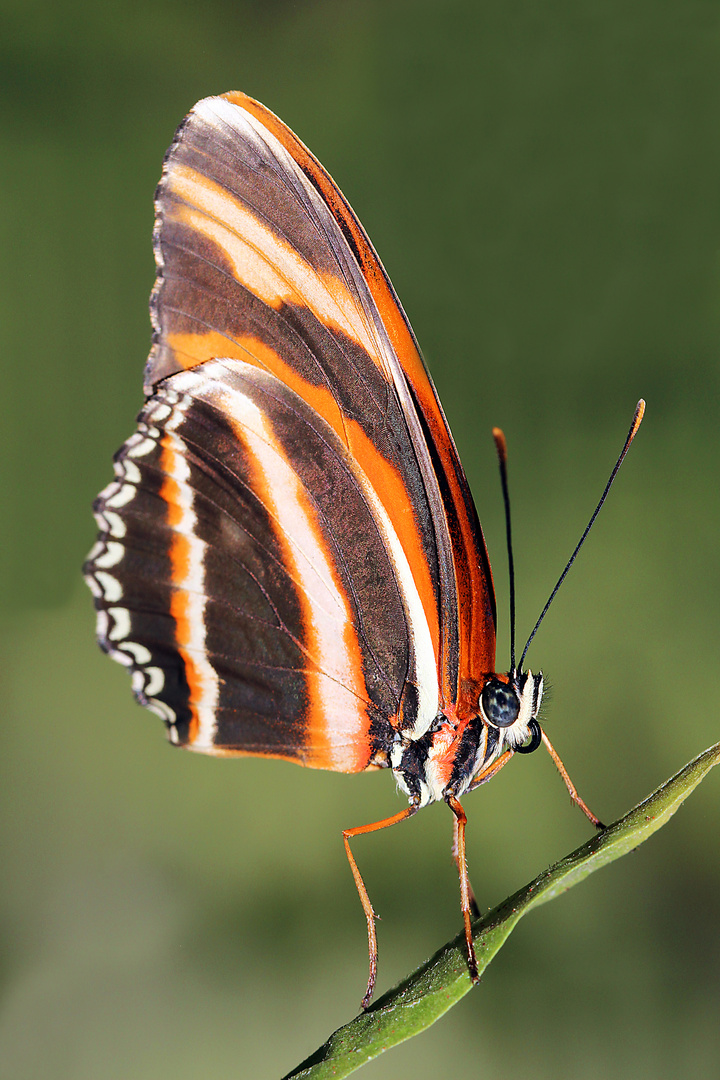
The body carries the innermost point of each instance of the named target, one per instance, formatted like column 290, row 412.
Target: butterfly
column 289, row 562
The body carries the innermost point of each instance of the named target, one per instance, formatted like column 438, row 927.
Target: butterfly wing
column 261, row 262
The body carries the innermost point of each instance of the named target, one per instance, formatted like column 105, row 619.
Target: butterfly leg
column 569, row 784
column 363, row 893
column 475, row 910
column 490, row 770
column 467, row 897
column 465, row 890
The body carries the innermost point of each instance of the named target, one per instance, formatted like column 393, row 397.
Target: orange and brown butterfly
column 290, row 563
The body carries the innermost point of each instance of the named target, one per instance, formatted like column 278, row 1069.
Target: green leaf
column 424, row 996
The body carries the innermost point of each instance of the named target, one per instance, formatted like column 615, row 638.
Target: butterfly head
column 451, row 757
column 509, row 706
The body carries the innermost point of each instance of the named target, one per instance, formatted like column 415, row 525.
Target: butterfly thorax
column 452, row 755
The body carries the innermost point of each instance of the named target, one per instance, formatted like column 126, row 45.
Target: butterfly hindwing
column 257, row 553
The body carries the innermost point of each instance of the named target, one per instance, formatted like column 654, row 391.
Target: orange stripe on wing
column 193, row 349
column 261, row 260
column 338, row 720
column 187, row 603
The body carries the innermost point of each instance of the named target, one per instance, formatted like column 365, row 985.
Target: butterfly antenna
column 501, row 447
column 637, row 420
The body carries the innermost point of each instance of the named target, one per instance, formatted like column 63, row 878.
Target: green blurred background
column 542, row 183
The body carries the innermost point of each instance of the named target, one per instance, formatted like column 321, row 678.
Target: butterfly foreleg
column 490, row 770
column 569, row 784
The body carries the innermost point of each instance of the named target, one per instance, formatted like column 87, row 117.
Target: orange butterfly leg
column 468, row 902
column 569, row 784
column 488, row 773
column 456, row 858
column 363, row 893
column 465, row 890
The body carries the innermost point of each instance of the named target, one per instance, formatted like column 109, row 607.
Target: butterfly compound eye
column 499, row 703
